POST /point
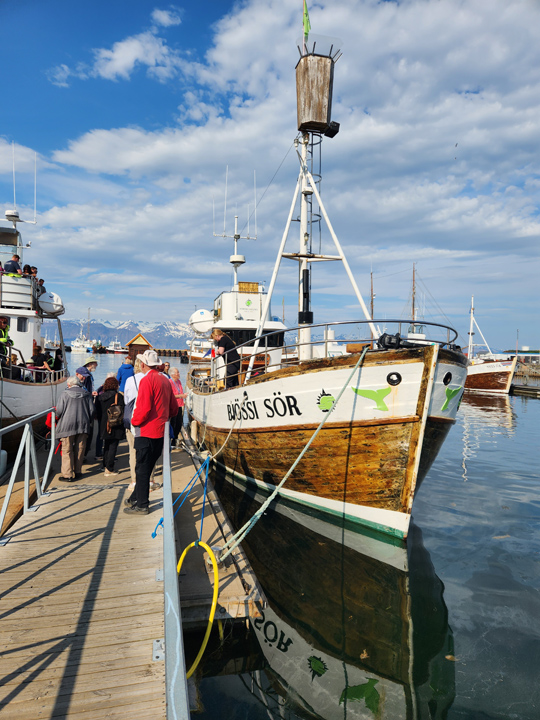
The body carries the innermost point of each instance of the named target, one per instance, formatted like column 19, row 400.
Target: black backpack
column 115, row 414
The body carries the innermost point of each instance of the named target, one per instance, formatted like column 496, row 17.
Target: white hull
column 23, row 399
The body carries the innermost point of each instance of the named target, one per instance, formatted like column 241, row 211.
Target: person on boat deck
column 58, row 361
column 74, row 415
column 155, row 405
column 41, row 287
column 16, row 372
column 125, row 371
column 5, row 340
column 111, row 436
column 179, row 394
column 227, row 348
column 39, row 362
column 26, row 271
column 12, row 266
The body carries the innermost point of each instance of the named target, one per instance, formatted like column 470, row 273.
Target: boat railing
column 19, row 292
column 176, row 691
column 27, row 444
column 27, row 373
column 261, row 355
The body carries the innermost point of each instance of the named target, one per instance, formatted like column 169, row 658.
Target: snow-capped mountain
column 162, row 335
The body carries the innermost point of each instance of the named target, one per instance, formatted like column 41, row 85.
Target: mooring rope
column 237, row 538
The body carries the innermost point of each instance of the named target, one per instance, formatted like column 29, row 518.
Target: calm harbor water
column 454, row 635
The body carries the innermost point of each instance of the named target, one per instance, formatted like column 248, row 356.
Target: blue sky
column 136, row 108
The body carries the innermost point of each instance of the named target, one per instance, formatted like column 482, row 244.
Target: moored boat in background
column 24, row 389
column 115, row 347
column 486, row 373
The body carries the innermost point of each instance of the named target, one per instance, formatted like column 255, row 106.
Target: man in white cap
column 155, row 405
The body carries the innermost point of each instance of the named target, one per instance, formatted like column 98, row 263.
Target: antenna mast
column 236, row 259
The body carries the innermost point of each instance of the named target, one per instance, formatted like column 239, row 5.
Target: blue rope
column 185, row 492
column 207, row 463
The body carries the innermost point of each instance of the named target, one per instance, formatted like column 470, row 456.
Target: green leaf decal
column 325, row 401
column 366, row 692
column 317, row 667
column 449, row 395
column 376, row 395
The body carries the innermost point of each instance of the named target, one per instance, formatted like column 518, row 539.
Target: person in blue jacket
column 125, row 371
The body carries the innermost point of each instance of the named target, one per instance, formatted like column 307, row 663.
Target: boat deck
column 82, row 598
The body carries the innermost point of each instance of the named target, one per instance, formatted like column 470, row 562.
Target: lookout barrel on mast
column 314, row 85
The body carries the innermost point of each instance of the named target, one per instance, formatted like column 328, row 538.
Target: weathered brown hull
column 487, row 381
column 368, row 465
column 490, row 379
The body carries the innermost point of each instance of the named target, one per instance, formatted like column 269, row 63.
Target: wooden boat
column 387, row 403
column 487, row 373
column 365, row 635
column 24, row 390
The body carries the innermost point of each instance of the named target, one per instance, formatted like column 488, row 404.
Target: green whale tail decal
column 376, row 395
column 449, row 395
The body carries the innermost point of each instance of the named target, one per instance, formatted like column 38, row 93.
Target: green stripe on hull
column 361, row 526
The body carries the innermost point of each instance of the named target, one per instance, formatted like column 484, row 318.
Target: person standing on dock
column 154, row 406
column 179, row 394
column 75, row 414
column 125, row 371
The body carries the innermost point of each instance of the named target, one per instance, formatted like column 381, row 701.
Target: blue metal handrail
column 176, row 690
column 28, row 444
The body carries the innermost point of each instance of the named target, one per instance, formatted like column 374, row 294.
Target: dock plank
column 81, row 608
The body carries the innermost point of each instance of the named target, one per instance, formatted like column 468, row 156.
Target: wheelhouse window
column 239, row 337
column 22, row 324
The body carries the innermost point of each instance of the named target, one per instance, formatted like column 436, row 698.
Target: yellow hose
column 214, row 600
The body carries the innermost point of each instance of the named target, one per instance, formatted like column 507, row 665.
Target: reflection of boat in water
column 491, row 410
column 346, row 634
column 485, row 372
column 483, row 414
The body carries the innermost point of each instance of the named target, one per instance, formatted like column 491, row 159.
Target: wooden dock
column 82, row 598
column 526, row 390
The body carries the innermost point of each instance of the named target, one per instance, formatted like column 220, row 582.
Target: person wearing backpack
column 110, row 415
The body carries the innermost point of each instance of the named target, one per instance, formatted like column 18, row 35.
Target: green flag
column 307, row 24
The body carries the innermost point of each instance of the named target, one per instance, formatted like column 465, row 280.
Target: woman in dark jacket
column 111, row 435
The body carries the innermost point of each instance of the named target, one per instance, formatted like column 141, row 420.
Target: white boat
column 115, row 347
column 80, row 344
column 25, row 391
column 350, row 423
column 485, row 372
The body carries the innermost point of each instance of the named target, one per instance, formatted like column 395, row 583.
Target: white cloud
column 144, row 49
column 439, row 105
column 166, row 18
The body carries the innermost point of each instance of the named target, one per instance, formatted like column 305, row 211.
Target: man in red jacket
column 155, row 405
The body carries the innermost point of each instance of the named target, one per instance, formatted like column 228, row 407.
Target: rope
column 237, row 538
column 214, row 600
column 185, row 492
